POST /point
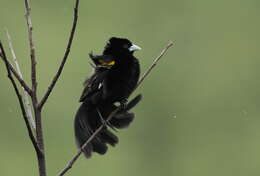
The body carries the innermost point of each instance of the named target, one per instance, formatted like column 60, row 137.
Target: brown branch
column 20, row 80
column 154, row 63
column 32, row 46
column 37, row 111
column 66, row 54
column 30, row 132
column 74, row 159
column 38, row 142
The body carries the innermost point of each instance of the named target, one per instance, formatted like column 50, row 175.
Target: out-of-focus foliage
column 200, row 114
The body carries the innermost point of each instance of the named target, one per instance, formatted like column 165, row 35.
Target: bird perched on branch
column 115, row 77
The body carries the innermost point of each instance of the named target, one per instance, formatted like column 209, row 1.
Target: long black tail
column 88, row 119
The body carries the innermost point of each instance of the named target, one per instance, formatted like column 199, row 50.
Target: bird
column 116, row 74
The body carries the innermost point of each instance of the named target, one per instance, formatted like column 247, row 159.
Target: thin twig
column 20, row 80
column 74, row 159
column 31, row 44
column 30, row 132
column 66, row 54
column 154, row 63
column 26, row 101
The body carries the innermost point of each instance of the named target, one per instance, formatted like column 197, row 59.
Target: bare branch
column 25, row 94
column 74, row 159
column 32, row 46
column 21, row 81
column 67, row 51
column 30, row 133
column 154, row 63
column 38, row 142
column 37, row 111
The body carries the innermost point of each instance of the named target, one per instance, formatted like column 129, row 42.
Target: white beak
column 134, row 48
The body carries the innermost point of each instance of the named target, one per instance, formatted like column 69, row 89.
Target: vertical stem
column 39, row 136
column 37, row 110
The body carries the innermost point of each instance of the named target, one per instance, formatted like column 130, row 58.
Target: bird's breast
column 122, row 81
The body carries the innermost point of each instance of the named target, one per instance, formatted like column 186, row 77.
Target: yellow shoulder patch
column 103, row 63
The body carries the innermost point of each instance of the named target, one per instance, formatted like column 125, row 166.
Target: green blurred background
column 200, row 112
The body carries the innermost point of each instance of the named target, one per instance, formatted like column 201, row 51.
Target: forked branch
column 38, row 141
column 20, row 80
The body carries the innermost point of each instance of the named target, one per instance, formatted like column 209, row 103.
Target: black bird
column 115, row 77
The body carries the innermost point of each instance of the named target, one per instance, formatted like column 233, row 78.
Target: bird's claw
column 123, row 104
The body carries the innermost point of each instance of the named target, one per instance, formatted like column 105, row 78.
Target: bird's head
column 120, row 47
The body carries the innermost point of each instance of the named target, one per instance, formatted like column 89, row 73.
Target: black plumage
column 115, row 77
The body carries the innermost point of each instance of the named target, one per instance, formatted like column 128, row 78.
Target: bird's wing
column 94, row 83
column 102, row 60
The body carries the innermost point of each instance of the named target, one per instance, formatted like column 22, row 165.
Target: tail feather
column 84, row 129
column 99, row 146
column 108, row 137
column 122, row 120
column 87, row 121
